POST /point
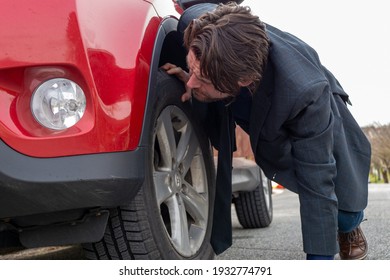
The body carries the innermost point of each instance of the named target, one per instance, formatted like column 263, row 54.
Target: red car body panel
column 57, row 186
column 105, row 46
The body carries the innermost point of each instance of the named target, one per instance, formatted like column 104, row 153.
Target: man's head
column 227, row 49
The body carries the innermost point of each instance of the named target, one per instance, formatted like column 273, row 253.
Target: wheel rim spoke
column 195, row 204
column 162, row 186
column 187, row 149
column 166, row 138
column 184, row 142
column 179, row 224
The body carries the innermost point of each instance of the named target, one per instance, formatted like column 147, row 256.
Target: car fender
column 107, row 49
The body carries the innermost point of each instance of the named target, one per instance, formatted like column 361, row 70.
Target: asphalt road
column 280, row 241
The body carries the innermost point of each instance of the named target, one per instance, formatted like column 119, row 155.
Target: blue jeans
column 347, row 222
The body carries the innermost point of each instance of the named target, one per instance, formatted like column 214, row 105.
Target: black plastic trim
column 168, row 25
column 90, row 229
column 31, row 185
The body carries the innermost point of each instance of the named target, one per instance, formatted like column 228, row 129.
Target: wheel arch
column 167, row 48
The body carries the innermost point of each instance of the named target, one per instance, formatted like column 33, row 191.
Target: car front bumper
column 31, row 185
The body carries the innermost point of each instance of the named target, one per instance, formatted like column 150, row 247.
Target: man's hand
column 182, row 76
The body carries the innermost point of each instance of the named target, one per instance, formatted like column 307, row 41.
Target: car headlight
column 58, row 103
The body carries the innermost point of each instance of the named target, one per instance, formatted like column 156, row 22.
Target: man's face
column 202, row 88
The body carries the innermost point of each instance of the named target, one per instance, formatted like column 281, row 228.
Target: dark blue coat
column 304, row 138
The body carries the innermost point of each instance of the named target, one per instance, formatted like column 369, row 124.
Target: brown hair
column 231, row 45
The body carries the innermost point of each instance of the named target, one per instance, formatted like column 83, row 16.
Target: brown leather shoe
column 353, row 245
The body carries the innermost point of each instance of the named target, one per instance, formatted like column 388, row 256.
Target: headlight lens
column 58, row 103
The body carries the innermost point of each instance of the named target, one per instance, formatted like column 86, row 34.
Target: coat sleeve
column 311, row 130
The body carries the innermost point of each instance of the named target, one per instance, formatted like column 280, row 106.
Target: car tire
column 171, row 216
column 254, row 209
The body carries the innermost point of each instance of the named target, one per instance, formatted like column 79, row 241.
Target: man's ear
column 244, row 82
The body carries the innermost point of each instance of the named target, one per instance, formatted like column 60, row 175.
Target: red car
column 96, row 147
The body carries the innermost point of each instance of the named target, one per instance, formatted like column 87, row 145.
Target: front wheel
column 171, row 216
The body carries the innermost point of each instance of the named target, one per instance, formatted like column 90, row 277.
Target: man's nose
column 193, row 82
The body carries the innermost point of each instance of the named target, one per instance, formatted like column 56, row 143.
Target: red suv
column 96, row 147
